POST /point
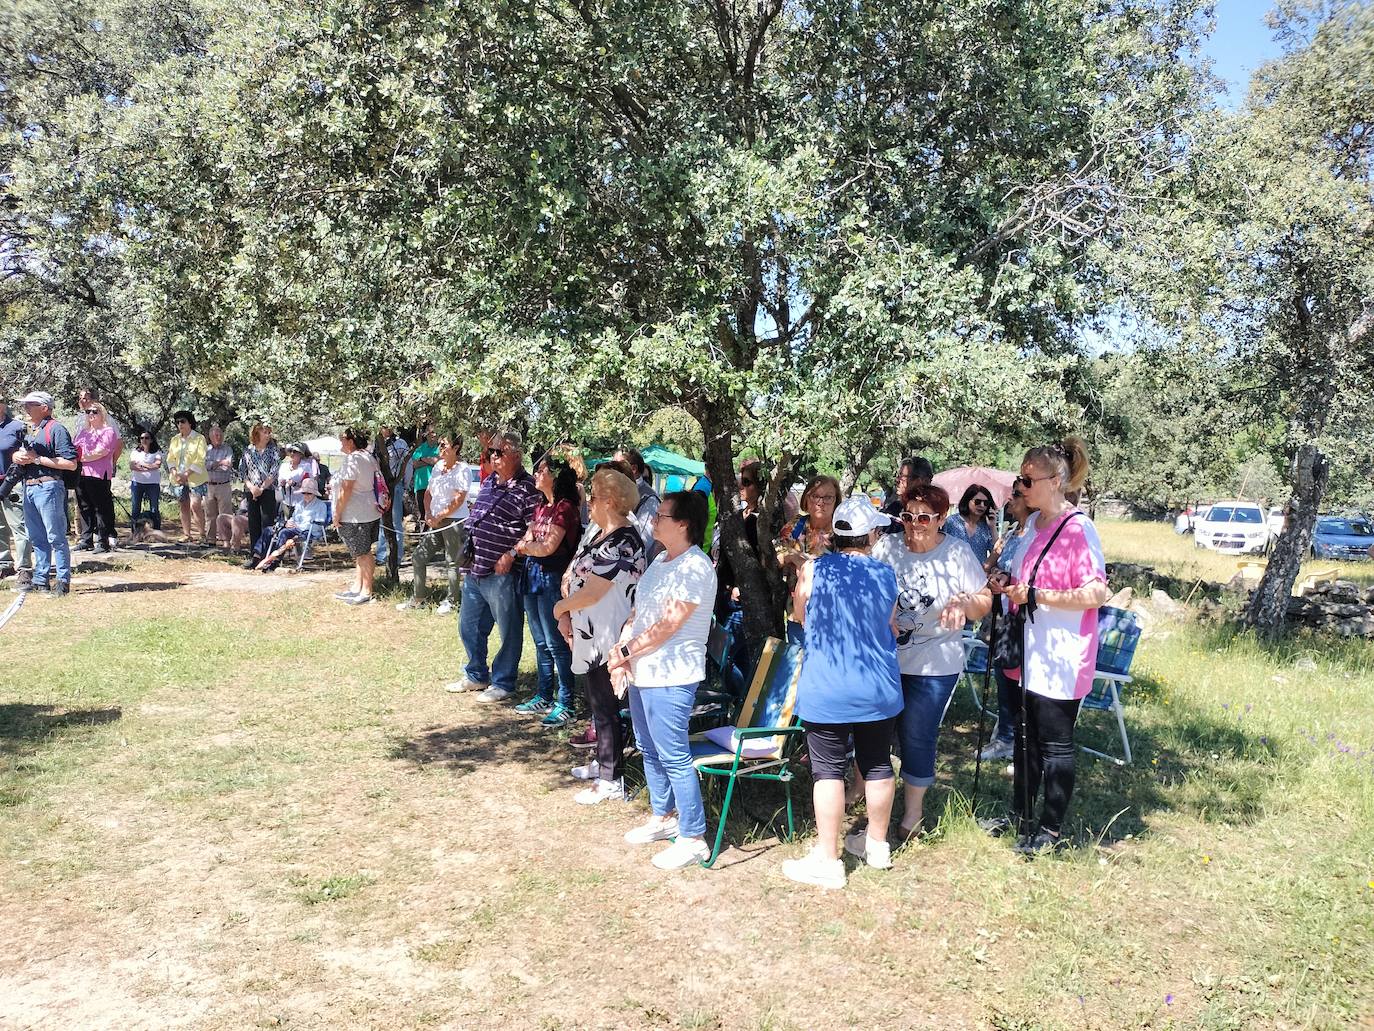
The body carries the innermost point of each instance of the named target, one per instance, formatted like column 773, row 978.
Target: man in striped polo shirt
column 497, row 519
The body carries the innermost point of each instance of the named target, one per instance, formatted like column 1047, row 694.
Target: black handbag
column 1007, row 649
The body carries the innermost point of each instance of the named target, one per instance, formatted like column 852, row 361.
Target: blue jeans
column 150, row 494
column 45, row 517
column 398, row 515
column 551, row 651
column 1008, row 695
column 660, row 716
column 918, row 727
column 491, row 601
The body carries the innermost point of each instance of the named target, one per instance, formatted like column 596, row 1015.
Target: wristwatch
column 624, row 651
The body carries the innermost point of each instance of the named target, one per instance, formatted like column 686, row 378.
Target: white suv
column 1237, row 527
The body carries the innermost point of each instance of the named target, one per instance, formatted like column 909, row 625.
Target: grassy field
column 226, row 809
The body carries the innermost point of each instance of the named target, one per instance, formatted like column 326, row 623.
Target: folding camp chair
column 764, row 738
column 975, row 665
column 1117, row 637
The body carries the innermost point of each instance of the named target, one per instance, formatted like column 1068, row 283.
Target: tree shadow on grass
column 498, row 736
column 1203, row 764
column 24, row 727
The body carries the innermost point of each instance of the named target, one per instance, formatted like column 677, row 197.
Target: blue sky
column 1241, row 43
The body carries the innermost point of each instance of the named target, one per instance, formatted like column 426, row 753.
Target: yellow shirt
column 187, row 455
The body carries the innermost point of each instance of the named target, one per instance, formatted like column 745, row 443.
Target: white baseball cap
column 37, row 397
column 856, row 517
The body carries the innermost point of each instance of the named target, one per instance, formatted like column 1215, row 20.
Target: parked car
column 1342, row 537
column 1234, row 527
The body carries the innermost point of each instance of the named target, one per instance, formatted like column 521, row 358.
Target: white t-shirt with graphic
column 926, row 581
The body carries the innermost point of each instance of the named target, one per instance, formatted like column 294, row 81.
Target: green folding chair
column 761, row 744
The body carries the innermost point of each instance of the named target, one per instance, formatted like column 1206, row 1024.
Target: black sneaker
column 59, row 589
column 252, row 561
column 1040, row 843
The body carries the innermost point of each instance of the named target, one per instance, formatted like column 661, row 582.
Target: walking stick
column 983, row 707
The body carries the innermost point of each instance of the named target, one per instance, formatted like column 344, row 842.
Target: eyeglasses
column 828, row 499
column 1027, row 482
column 924, row 518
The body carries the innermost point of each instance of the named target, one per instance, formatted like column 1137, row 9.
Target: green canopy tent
column 664, row 463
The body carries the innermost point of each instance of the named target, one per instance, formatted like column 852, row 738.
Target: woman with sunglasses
column 186, row 464
column 1005, row 557
column 940, row 586
column 95, row 447
column 727, row 588
column 145, row 474
column 549, row 544
column 974, row 521
column 661, row 656
column 598, row 594
column 1060, row 650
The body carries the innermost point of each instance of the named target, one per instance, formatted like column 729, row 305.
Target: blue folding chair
column 1117, row 637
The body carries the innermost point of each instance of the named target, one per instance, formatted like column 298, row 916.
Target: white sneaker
column 592, row 771
column 654, row 830
column 877, row 854
column 815, row 869
column 996, row 750
column 495, row 694
column 445, row 607
column 460, row 686
column 682, row 853
column 601, row 791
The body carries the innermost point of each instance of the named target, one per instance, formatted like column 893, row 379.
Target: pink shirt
column 97, row 440
column 1061, row 646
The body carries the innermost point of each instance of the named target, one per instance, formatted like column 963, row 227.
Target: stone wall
column 1340, row 607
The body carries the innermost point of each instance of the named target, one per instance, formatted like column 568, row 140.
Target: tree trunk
column 856, row 467
column 1268, row 607
column 761, row 589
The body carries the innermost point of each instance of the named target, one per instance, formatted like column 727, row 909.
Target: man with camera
column 16, row 557
column 46, row 454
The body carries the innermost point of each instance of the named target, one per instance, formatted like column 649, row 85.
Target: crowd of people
column 618, row 587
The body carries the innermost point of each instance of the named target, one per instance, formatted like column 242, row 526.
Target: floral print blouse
column 617, row 556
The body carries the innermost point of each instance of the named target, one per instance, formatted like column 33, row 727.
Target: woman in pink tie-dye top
column 1061, row 637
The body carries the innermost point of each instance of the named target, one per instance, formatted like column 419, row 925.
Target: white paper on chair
column 754, row 748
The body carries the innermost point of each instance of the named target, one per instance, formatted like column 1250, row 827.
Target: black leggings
column 262, row 513
column 1043, row 754
column 828, row 746
column 605, row 706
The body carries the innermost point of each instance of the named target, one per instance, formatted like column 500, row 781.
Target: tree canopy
column 821, row 232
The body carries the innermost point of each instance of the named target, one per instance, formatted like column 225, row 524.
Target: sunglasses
column 924, row 518
column 92, row 411
column 1027, row 482
column 1016, row 495
column 748, row 483
column 980, row 501
column 497, row 452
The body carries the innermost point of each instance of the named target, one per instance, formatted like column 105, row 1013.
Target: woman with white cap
column 307, row 520
column 849, row 688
